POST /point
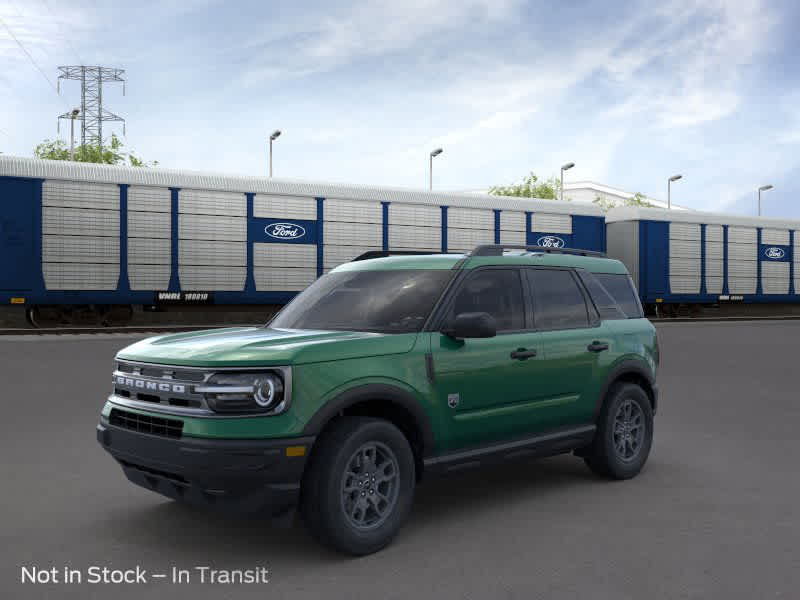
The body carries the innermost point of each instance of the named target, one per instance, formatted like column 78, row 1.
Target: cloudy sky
column 632, row 92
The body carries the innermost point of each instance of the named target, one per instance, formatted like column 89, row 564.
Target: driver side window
column 497, row 292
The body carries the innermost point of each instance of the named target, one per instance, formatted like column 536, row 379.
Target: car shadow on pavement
column 186, row 534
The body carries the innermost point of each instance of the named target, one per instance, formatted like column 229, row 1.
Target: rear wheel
column 624, row 433
column 359, row 485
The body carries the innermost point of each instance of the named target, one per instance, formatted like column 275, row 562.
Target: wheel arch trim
column 618, row 372
column 377, row 392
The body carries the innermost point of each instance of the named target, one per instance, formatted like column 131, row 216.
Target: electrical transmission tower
column 92, row 113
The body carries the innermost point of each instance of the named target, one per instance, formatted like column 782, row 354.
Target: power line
column 66, row 37
column 30, row 57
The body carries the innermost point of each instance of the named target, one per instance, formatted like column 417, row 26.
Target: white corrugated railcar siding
column 714, row 259
column 80, row 235
column 551, row 223
column 742, row 257
column 684, row 258
column 469, row 227
column 213, row 240
column 149, row 237
column 284, row 207
column 277, row 265
column 351, row 227
column 415, row 227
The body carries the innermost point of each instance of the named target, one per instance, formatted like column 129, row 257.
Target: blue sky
column 632, row 92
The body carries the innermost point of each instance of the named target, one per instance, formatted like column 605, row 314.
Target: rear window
column 622, row 291
column 606, row 305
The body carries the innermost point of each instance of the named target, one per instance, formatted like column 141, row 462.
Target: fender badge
column 453, row 400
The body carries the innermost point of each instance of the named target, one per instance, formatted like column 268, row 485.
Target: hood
column 261, row 346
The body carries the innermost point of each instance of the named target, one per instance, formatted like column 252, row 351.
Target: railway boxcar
column 695, row 258
column 78, row 236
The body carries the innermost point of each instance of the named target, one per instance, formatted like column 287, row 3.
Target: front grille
column 172, row 428
column 160, row 371
column 161, row 385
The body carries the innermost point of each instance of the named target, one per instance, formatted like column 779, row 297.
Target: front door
column 488, row 386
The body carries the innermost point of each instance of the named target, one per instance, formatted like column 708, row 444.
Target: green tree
column 638, row 199
column 111, row 154
column 530, row 187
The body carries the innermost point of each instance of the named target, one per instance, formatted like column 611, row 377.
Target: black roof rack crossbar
column 386, row 253
column 497, row 250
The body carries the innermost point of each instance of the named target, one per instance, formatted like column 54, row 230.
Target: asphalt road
column 714, row 515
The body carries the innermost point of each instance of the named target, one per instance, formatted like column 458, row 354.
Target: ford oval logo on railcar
column 774, row 253
column 285, row 231
column 550, row 241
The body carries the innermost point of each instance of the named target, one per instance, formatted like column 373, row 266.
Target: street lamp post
column 72, row 115
column 436, row 152
column 565, row 167
column 763, row 188
column 275, row 135
column 669, row 191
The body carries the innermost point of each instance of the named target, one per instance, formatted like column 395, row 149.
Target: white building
column 587, row 191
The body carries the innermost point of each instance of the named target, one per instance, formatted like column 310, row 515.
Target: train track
column 732, row 319
column 133, row 329
column 158, row 329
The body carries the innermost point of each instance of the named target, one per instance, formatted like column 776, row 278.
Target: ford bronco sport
column 385, row 370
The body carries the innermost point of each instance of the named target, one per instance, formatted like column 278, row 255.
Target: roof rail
column 497, row 250
column 386, row 253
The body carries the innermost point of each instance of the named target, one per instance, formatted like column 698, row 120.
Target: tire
column 622, row 455
column 338, row 509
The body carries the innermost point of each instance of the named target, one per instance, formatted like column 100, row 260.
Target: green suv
column 387, row 370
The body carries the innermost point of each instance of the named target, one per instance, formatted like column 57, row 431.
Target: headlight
column 242, row 393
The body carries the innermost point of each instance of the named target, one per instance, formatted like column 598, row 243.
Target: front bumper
column 241, row 476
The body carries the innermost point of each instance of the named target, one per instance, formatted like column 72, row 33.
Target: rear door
column 17, row 214
column 574, row 345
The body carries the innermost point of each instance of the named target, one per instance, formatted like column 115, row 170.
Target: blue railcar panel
column 283, row 231
column 123, row 285
column 653, row 260
column 444, row 228
column 725, row 288
column 320, row 238
column 703, row 288
column 250, row 280
column 792, row 288
column 174, row 278
column 589, row 233
column 551, row 240
column 759, row 288
column 775, row 252
column 385, row 225
column 20, row 218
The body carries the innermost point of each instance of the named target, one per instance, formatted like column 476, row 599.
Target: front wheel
column 359, row 486
column 624, row 433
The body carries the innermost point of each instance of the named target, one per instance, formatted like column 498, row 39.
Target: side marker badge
column 453, row 400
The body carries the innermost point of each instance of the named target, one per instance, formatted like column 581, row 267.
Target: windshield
column 383, row 301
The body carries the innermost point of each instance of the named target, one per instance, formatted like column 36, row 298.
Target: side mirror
column 471, row 325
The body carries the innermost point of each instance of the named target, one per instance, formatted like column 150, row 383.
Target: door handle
column 596, row 346
column 522, row 353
